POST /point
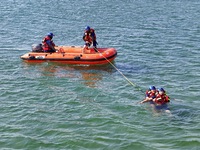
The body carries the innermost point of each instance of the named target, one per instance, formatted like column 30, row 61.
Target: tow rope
column 131, row 83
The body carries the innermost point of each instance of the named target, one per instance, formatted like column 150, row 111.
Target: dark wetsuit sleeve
column 48, row 42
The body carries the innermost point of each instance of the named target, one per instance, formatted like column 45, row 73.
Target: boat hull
column 73, row 55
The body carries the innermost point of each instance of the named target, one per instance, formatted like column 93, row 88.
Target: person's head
column 87, row 28
column 161, row 91
column 152, row 88
column 50, row 35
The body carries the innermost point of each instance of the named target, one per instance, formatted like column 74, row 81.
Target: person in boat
column 48, row 44
column 89, row 37
column 160, row 101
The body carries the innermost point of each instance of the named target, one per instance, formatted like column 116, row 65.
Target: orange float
column 73, row 55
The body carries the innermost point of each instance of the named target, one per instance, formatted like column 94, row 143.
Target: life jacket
column 89, row 35
column 151, row 94
column 162, row 99
column 87, row 38
column 45, row 46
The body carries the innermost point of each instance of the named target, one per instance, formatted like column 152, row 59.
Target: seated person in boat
column 48, row 44
column 89, row 37
column 160, row 101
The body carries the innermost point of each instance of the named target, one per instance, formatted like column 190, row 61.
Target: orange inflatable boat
column 73, row 55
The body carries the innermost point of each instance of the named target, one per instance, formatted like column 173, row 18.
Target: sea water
column 58, row 106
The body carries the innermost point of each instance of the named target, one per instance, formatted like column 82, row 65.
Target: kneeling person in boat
column 48, row 44
column 89, row 37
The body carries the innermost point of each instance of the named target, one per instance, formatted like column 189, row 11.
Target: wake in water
column 8, row 48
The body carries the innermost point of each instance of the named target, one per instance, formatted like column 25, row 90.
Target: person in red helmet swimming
column 48, row 44
column 159, row 101
column 89, row 37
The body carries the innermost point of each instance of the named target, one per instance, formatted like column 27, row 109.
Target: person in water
column 89, row 37
column 48, row 44
column 159, row 101
column 151, row 93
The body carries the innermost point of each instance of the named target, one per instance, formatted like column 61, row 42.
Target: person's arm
column 84, row 37
column 147, row 99
column 93, row 35
column 50, row 45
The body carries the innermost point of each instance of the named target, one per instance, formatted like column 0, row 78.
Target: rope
column 131, row 83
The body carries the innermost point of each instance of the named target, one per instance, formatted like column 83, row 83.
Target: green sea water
column 52, row 106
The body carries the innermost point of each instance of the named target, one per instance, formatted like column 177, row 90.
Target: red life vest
column 151, row 94
column 87, row 38
column 45, row 46
column 161, row 99
column 89, row 35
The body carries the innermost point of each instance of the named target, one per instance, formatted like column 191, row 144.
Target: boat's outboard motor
column 37, row 48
